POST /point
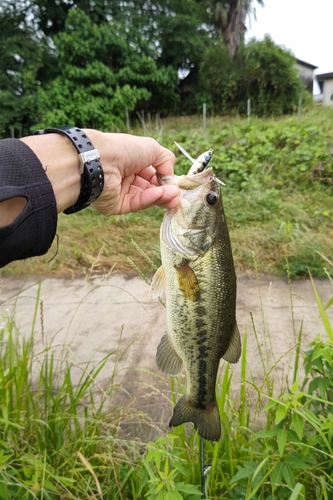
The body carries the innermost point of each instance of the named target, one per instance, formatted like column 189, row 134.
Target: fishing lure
column 200, row 163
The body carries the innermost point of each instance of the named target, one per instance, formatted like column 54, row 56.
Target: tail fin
column 206, row 420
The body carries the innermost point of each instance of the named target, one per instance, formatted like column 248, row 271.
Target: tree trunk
column 232, row 24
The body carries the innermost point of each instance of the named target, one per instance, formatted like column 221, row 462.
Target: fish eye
column 211, row 198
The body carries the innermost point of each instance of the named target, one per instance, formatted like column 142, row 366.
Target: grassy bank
column 278, row 199
column 64, row 441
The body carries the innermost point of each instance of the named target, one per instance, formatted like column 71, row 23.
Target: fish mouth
column 188, row 182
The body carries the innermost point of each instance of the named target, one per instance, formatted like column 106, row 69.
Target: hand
column 130, row 164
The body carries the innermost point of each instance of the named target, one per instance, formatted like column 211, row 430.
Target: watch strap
column 92, row 177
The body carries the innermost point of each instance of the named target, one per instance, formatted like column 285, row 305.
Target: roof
column 308, row 65
column 324, row 76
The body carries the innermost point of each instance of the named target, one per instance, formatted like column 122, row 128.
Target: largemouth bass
column 199, row 281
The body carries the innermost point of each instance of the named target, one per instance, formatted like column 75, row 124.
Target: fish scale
column 199, row 281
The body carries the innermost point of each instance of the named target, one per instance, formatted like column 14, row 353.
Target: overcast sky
column 303, row 26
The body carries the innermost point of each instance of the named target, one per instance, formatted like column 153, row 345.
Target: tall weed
column 61, row 441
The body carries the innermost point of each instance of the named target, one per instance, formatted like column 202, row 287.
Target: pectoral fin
column 234, row 350
column 158, row 283
column 167, row 359
column 187, row 281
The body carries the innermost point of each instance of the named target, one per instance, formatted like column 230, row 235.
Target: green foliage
column 219, row 80
column 20, row 61
column 92, row 63
column 262, row 72
column 270, row 79
column 277, row 199
column 51, row 429
column 163, row 467
column 279, row 188
column 100, row 76
column 59, row 441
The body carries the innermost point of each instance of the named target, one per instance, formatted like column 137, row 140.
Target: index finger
column 164, row 161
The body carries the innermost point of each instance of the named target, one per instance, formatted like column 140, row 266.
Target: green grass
column 64, row 441
column 278, row 199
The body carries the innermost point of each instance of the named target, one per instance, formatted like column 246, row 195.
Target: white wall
column 306, row 76
column 328, row 93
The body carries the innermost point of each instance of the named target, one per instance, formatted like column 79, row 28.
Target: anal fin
column 167, row 359
column 234, row 350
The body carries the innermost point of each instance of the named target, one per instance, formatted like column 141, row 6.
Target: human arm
column 130, row 181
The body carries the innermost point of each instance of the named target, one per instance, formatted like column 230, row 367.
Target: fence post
column 249, row 109
column 204, row 111
column 127, row 119
column 299, row 111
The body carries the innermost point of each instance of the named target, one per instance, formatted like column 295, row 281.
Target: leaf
column 243, row 473
column 322, row 311
column 281, row 440
column 172, row 495
column 329, row 303
column 3, row 492
column 4, row 458
column 277, row 475
column 258, row 469
column 296, row 462
column 189, row 489
column 270, row 404
column 50, row 486
column 298, row 424
column 92, row 472
column 311, row 417
column 288, row 475
column 296, row 491
column 159, row 487
column 267, row 433
column 280, row 414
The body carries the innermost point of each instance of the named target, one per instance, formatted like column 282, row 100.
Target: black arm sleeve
column 22, row 174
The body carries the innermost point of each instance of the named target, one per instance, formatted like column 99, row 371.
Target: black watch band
column 92, row 180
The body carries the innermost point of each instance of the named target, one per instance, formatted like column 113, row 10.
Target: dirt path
column 117, row 314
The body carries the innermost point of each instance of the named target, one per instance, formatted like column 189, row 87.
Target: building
column 325, row 82
column 306, row 73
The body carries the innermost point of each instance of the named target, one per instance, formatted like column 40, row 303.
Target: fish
column 198, row 279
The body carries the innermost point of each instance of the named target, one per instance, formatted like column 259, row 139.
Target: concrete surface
column 83, row 321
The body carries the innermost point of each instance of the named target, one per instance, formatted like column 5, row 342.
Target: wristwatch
column 92, row 177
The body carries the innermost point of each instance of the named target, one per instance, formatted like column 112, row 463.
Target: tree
column 173, row 33
column 20, row 61
column 100, row 75
column 270, row 79
column 219, row 79
column 228, row 17
column 262, row 71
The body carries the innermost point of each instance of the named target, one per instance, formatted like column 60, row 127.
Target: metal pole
column 202, row 464
column 204, row 468
column 127, row 119
column 248, row 109
column 204, row 111
column 299, row 111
